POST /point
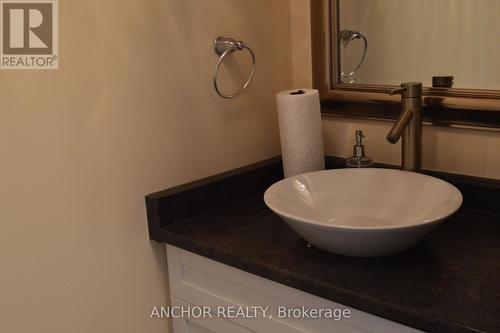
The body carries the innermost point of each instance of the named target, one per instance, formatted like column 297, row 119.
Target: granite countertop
column 450, row 282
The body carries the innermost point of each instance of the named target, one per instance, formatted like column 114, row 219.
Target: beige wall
column 301, row 46
column 131, row 110
column 469, row 152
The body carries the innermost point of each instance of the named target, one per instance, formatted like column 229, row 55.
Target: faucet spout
column 409, row 125
column 398, row 128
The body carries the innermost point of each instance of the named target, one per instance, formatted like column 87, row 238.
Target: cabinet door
column 205, row 282
column 203, row 325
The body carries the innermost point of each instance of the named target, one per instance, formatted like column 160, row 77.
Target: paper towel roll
column 299, row 115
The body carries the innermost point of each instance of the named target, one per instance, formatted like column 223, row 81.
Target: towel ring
column 347, row 36
column 224, row 46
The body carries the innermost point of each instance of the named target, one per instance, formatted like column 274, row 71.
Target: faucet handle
column 397, row 90
column 408, row 90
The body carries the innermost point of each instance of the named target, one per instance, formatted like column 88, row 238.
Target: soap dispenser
column 359, row 160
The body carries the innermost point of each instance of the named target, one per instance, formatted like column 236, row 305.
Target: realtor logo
column 29, row 34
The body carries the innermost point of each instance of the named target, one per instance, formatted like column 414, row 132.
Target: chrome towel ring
column 224, row 46
column 347, row 36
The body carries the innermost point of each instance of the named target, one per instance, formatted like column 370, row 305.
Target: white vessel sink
column 363, row 212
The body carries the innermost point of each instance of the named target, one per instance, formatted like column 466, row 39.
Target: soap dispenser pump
column 359, row 160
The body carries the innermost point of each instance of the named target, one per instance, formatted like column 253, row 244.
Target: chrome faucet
column 409, row 125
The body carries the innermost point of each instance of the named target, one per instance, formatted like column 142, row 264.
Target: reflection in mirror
column 417, row 40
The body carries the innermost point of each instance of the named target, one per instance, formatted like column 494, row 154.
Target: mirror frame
column 455, row 107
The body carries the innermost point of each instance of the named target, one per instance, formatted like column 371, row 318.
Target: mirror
column 361, row 49
column 416, row 40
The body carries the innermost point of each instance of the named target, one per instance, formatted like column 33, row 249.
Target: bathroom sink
column 363, row 212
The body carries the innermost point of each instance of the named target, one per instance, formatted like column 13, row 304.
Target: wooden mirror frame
column 463, row 108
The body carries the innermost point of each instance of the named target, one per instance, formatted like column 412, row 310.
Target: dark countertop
column 450, row 282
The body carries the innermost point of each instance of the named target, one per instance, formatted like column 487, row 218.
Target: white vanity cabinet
column 196, row 281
